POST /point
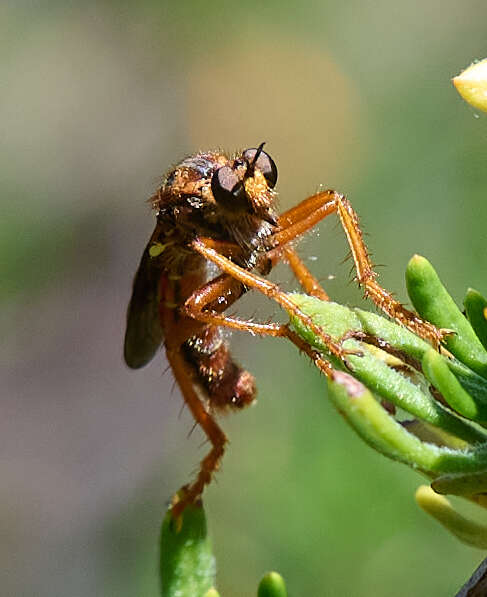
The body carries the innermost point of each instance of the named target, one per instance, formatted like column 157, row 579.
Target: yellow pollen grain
column 156, row 249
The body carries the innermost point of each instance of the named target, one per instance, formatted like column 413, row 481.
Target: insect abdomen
column 225, row 383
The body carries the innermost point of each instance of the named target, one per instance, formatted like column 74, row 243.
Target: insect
column 215, row 209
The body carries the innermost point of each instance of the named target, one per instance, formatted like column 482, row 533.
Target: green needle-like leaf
column 187, row 565
column 437, row 371
column 376, row 368
column 374, row 424
column 476, row 309
column 461, row 484
column 434, row 304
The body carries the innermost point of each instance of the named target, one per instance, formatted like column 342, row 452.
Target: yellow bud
column 471, row 84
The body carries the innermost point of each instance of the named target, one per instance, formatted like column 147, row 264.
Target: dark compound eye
column 264, row 163
column 228, row 189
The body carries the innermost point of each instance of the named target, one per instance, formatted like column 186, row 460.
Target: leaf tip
column 272, row 585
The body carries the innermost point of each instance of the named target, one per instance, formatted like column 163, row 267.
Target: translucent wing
column 144, row 333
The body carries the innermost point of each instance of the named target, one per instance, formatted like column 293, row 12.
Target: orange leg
column 205, row 305
column 211, row 462
column 309, row 283
column 211, row 293
column 292, row 224
column 194, row 307
column 304, row 216
column 366, row 277
column 203, row 298
column 218, row 295
column 177, row 332
column 218, row 439
column 198, row 301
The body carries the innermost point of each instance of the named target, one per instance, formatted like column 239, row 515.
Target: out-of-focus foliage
column 98, row 99
column 187, row 565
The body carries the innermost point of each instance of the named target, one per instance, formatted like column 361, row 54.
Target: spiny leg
column 203, row 306
column 177, row 332
column 305, row 215
column 292, row 223
column 217, row 438
column 183, row 374
column 323, row 365
column 366, row 277
column 195, row 305
column 210, row 464
column 309, row 283
column 302, row 217
column 205, row 296
column 200, row 299
column 210, row 295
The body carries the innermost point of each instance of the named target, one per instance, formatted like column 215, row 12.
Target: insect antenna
column 251, row 166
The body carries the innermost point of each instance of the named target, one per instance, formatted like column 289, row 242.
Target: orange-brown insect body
column 170, row 271
column 213, row 210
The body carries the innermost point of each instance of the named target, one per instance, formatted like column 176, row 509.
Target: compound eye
column 264, row 163
column 228, row 189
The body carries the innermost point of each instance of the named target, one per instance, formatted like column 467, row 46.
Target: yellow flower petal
column 471, row 84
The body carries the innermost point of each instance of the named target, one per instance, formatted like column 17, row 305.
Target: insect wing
column 144, row 333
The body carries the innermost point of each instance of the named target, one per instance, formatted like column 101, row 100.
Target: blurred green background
column 97, row 100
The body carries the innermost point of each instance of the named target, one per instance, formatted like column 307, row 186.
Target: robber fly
column 220, row 209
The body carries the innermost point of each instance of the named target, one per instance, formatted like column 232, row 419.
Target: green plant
column 187, row 565
column 436, row 415
column 423, row 407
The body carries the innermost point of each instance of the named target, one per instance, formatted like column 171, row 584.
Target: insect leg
column 211, row 462
column 294, row 223
column 301, row 218
column 366, row 277
column 205, row 305
column 196, row 303
column 227, row 286
column 218, row 439
column 323, row 365
column 200, row 299
column 309, row 283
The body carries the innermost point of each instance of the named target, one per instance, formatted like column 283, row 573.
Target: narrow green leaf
column 433, row 303
column 476, row 309
column 437, row 371
column 272, row 585
column 373, row 423
column 461, row 484
column 187, row 565
column 377, row 369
